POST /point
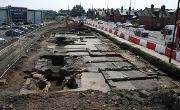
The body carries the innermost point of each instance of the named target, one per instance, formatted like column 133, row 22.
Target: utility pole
column 130, row 10
column 107, row 4
column 172, row 45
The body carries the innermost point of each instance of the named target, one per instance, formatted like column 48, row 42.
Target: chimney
column 129, row 8
column 122, row 9
column 152, row 7
column 141, row 10
column 163, row 7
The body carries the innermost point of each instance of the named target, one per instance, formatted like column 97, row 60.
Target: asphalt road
column 154, row 36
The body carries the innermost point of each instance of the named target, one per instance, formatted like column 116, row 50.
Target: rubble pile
column 95, row 100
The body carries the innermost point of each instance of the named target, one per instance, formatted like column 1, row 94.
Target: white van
column 168, row 33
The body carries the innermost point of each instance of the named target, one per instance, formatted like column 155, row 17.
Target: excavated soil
column 93, row 100
column 57, row 99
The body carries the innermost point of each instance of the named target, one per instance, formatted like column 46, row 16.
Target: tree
column 91, row 13
column 77, row 10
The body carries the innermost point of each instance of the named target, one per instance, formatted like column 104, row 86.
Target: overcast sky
column 63, row 4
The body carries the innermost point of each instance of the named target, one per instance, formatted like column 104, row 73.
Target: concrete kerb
column 171, row 69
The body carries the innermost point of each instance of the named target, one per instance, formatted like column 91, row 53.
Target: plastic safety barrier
column 160, row 49
column 151, row 45
column 134, row 40
column 167, row 53
column 110, row 30
column 115, row 32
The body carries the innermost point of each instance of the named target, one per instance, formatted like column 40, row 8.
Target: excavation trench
column 60, row 76
column 57, row 60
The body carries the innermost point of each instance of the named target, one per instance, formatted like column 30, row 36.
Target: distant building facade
column 157, row 18
column 63, row 12
column 116, row 15
column 20, row 15
column 122, row 15
column 49, row 14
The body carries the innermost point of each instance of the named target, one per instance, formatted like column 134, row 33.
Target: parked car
column 100, row 22
column 141, row 32
column 119, row 24
column 141, row 26
column 41, row 24
column 14, row 32
column 30, row 28
column 3, row 41
column 115, row 27
column 4, row 27
column 23, row 28
column 34, row 25
column 126, row 25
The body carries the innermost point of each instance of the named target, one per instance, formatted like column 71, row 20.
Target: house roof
column 102, row 13
column 156, row 12
column 3, row 8
column 125, row 11
column 172, row 10
column 63, row 11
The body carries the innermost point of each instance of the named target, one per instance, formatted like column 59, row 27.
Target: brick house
column 105, row 14
column 172, row 12
column 102, row 15
column 156, row 18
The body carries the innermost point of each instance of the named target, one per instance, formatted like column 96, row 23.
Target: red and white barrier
column 110, row 30
column 160, row 49
column 167, row 53
column 126, row 37
column 143, row 42
column 134, row 40
column 178, row 56
column 150, row 45
column 116, row 33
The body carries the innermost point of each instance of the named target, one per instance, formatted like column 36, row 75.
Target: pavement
column 151, row 52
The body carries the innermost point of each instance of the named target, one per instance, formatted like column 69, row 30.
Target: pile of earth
column 93, row 100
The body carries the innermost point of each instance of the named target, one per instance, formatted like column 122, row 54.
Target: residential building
column 122, row 15
column 156, row 18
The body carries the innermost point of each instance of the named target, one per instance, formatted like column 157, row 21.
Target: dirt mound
column 93, row 100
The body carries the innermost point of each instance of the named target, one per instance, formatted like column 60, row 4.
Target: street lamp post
column 172, row 45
